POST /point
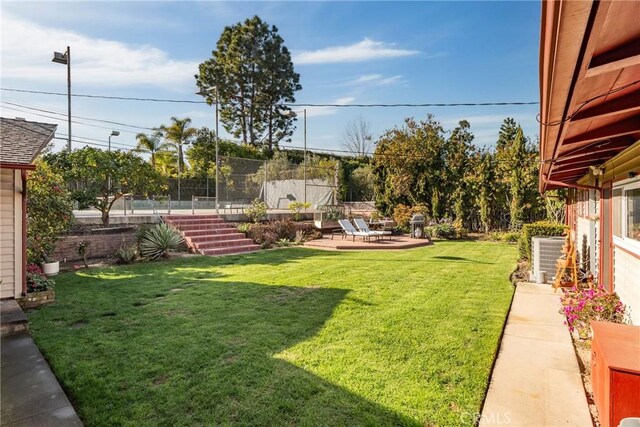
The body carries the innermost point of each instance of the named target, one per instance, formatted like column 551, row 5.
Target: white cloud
column 327, row 111
column 27, row 49
column 366, row 50
column 374, row 80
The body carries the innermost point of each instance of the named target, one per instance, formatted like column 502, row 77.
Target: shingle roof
column 21, row 141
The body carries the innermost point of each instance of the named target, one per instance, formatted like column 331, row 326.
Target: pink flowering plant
column 583, row 305
column 37, row 281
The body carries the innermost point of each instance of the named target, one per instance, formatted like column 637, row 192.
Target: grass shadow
column 203, row 356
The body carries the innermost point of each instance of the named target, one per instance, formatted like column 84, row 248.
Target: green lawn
column 284, row 337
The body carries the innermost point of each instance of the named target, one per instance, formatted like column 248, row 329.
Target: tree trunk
column 270, row 129
column 105, row 217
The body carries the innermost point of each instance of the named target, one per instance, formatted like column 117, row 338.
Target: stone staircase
column 210, row 234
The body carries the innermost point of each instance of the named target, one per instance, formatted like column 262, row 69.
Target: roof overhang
column 589, row 86
column 26, row 166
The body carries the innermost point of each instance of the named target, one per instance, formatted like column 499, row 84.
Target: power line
column 60, row 119
column 80, row 117
column 186, row 101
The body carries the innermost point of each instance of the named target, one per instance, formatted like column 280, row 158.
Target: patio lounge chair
column 362, row 226
column 349, row 230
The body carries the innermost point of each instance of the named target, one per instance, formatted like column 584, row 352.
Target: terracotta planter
column 51, row 268
column 36, row 299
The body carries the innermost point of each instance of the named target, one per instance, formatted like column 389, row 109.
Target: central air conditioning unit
column 545, row 251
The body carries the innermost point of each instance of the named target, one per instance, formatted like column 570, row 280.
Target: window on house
column 633, row 213
column 617, row 212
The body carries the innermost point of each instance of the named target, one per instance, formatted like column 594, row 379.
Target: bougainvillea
column 583, row 305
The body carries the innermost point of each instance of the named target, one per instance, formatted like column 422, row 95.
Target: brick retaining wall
column 101, row 245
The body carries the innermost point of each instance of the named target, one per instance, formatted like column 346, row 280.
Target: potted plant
column 39, row 288
column 49, row 213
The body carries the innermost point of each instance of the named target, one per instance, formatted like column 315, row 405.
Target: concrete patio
column 536, row 379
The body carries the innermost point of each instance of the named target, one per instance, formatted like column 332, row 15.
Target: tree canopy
column 252, row 74
column 446, row 176
column 99, row 178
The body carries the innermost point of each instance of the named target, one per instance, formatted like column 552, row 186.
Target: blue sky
column 345, row 53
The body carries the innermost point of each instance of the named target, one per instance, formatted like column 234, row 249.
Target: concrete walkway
column 536, row 380
column 31, row 394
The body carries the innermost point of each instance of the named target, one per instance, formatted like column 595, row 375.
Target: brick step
column 216, row 237
column 197, row 227
column 223, row 243
column 230, row 251
column 184, row 222
column 188, row 217
column 210, row 232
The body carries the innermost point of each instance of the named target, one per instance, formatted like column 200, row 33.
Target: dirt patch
column 583, row 352
column 79, row 324
column 108, row 314
column 161, row 379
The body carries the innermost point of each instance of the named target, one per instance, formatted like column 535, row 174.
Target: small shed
column 20, row 143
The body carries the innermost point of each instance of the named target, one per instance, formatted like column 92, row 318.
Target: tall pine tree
column 253, row 74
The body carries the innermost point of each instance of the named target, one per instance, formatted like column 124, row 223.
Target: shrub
column 284, row 243
column 442, row 231
column 402, row 215
column 256, row 211
column 125, row 255
column 508, row 237
column 140, row 233
column 297, row 207
column 37, row 281
column 244, row 227
column 583, row 305
column 269, row 233
column 460, row 231
column 50, row 212
column 159, row 241
column 540, row 228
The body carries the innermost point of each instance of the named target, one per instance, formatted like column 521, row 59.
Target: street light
column 113, row 133
column 65, row 59
column 204, row 91
column 292, row 113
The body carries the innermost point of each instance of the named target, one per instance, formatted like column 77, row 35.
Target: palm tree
column 151, row 144
column 166, row 162
column 179, row 133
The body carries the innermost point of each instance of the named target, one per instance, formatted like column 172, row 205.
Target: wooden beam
column 572, row 169
column 624, row 127
column 572, row 166
column 623, row 104
column 624, row 56
column 601, row 155
column 621, row 142
column 568, row 175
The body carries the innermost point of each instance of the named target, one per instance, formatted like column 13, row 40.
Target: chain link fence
column 277, row 182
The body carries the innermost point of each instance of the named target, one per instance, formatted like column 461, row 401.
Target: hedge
column 535, row 229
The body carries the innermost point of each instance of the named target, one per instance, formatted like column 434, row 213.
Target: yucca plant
column 158, row 241
column 125, row 255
